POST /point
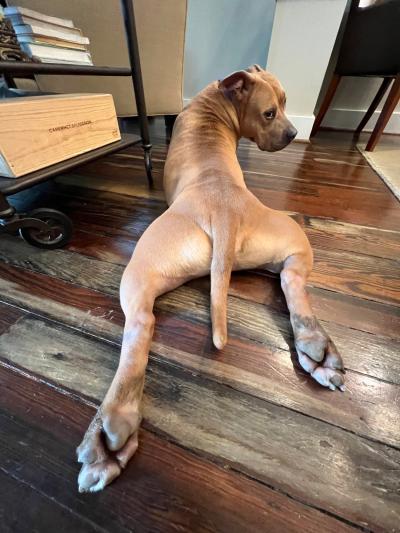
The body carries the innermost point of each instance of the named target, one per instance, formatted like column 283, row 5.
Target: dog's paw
column 317, row 353
column 95, row 476
column 108, row 444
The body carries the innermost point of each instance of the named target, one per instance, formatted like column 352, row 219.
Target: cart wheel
column 58, row 234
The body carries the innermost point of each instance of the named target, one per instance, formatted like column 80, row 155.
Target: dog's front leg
column 316, row 351
column 112, row 437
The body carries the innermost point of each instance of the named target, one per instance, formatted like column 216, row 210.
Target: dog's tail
column 224, row 240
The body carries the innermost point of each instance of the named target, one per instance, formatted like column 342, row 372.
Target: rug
column 385, row 160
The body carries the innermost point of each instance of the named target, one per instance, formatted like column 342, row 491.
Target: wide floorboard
column 238, row 440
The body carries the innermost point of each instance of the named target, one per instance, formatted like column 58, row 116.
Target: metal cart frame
column 37, row 224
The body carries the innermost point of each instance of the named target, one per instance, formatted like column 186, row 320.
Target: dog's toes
column 91, row 449
column 333, row 359
column 109, row 443
column 306, row 362
column 125, row 453
column 313, row 344
column 330, row 372
column 329, row 377
column 94, row 477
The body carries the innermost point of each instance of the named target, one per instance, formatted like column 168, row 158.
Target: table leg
column 133, row 49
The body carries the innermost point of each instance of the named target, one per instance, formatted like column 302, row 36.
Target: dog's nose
column 291, row 134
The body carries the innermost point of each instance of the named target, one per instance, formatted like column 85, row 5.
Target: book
column 15, row 10
column 10, row 49
column 18, row 20
column 66, row 34
column 55, row 54
column 50, row 41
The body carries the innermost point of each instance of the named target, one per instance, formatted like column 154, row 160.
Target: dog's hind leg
column 171, row 251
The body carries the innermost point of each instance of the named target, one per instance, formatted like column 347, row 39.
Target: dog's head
column 260, row 103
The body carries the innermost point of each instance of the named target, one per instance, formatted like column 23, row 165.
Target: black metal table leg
column 133, row 49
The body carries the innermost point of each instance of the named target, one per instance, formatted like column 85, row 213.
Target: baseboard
column 302, row 123
column 348, row 119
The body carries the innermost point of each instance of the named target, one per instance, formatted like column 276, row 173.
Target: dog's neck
column 217, row 108
column 203, row 145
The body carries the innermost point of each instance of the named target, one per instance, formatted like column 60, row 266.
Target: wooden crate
column 38, row 131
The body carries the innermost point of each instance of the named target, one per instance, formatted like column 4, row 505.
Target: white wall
column 223, row 36
column 302, row 41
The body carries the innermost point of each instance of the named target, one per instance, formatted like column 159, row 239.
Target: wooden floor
column 240, row 440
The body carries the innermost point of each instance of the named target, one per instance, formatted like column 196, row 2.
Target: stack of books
column 10, row 49
column 49, row 39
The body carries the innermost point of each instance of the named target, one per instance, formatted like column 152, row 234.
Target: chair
column 370, row 47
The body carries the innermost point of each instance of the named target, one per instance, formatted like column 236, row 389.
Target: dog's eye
column 270, row 114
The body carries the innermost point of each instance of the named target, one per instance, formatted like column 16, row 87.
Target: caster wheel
column 58, row 234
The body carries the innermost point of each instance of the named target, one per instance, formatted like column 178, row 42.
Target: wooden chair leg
column 386, row 113
column 375, row 102
column 330, row 93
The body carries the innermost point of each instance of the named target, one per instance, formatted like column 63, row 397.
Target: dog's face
column 260, row 102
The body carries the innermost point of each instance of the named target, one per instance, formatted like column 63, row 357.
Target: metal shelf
column 16, row 68
column 13, row 185
column 9, row 220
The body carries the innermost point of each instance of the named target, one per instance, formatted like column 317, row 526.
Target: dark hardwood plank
column 365, row 206
column 301, row 161
column 8, row 316
column 247, row 320
column 372, row 205
column 341, row 308
column 371, row 208
column 312, row 461
column 327, row 234
column 370, row 276
column 39, row 511
column 248, row 407
column 355, row 313
column 261, row 370
column 130, row 221
column 321, row 231
column 347, row 273
column 116, row 181
column 165, row 488
column 344, row 310
column 112, row 249
column 367, row 209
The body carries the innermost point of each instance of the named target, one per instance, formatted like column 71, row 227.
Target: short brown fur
column 214, row 225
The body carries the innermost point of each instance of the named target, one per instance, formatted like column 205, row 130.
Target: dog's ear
column 254, row 68
column 237, row 84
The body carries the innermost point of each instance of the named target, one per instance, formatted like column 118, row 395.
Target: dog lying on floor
column 213, row 225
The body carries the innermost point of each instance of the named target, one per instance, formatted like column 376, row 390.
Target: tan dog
column 213, row 225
